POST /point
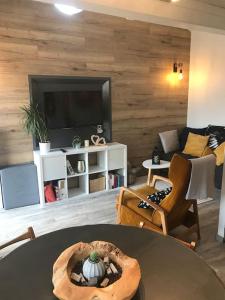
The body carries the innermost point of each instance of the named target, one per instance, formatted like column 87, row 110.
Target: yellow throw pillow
column 220, row 152
column 207, row 151
column 195, row 144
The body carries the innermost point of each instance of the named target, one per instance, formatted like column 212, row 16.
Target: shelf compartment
column 76, row 186
column 116, row 159
column 115, row 179
column 55, row 190
column 97, row 182
column 72, row 164
column 96, row 169
column 96, row 162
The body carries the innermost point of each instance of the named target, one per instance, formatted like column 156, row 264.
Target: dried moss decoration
column 94, row 257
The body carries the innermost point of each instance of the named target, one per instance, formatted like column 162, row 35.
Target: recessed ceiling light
column 67, row 9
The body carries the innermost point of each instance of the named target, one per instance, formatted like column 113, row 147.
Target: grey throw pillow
column 169, row 140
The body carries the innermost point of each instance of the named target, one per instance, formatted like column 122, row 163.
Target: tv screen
column 72, row 109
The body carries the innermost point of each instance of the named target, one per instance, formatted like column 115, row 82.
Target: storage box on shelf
column 97, row 183
column 84, row 171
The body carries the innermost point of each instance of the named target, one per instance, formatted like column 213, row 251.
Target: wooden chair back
column 175, row 204
column 25, row 236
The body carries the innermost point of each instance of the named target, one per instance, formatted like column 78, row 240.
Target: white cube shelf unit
column 108, row 161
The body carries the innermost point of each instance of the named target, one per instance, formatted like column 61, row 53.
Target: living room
column 114, row 87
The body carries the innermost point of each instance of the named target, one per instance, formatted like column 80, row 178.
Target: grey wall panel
column 19, row 186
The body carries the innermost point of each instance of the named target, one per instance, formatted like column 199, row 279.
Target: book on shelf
column 60, row 189
column 115, row 180
column 70, row 170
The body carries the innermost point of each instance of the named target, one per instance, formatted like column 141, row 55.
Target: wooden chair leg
column 31, row 233
column 27, row 235
column 149, row 177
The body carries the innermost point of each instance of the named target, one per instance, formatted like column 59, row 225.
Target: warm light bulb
column 180, row 75
column 67, row 9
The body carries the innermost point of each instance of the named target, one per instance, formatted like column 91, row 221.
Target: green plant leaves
column 33, row 122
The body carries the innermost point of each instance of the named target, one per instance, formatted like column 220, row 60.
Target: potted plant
column 33, row 123
column 93, row 267
column 76, row 143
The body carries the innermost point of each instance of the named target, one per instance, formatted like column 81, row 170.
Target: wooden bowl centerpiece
column 123, row 287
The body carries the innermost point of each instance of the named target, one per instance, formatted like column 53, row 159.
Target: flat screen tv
column 72, row 106
column 73, row 109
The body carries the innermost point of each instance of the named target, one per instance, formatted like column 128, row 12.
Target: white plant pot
column 93, row 270
column 44, row 148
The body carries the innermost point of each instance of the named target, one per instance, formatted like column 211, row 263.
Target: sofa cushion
column 220, row 152
column 218, row 130
column 196, row 144
column 185, row 132
column 169, row 140
column 216, row 135
column 214, row 141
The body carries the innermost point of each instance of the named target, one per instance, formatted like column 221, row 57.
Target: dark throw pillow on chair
column 156, row 198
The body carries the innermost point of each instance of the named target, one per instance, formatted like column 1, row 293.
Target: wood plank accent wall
column 36, row 39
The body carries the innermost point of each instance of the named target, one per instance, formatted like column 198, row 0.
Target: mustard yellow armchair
column 173, row 211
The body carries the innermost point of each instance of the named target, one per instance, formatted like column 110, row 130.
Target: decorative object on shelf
column 99, row 129
column 93, row 267
column 86, row 143
column 97, row 184
column 70, row 170
column 97, row 140
column 124, row 270
column 50, row 195
column 60, row 189
column 34, row 124
column 76, row 143
column 80, row 166
column 155, row 156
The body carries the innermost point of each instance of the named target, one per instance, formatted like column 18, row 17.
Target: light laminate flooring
column 101, row 209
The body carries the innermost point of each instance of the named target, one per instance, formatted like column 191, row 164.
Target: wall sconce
column 178, row 69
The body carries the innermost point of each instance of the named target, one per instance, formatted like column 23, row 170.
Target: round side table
column 148, row 165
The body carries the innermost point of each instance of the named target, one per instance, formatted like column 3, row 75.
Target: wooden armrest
column 141, row 197
column 157, row 177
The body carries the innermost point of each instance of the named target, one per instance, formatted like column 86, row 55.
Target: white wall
column 206, row 103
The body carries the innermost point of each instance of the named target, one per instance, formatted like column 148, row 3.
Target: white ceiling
column 208, row 15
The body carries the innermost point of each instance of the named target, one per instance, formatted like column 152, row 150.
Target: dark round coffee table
column 169, row 270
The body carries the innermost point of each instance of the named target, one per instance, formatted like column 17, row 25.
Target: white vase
column 93, row 269
column 44, row 148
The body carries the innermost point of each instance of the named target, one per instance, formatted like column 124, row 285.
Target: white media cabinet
column 99, row 161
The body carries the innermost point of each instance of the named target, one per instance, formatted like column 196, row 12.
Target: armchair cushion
column 156, row 197
column 132, row 202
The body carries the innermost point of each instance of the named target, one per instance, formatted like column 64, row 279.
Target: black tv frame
column 38, row 84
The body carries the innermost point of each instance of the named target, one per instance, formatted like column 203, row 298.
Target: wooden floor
column 101, row 209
